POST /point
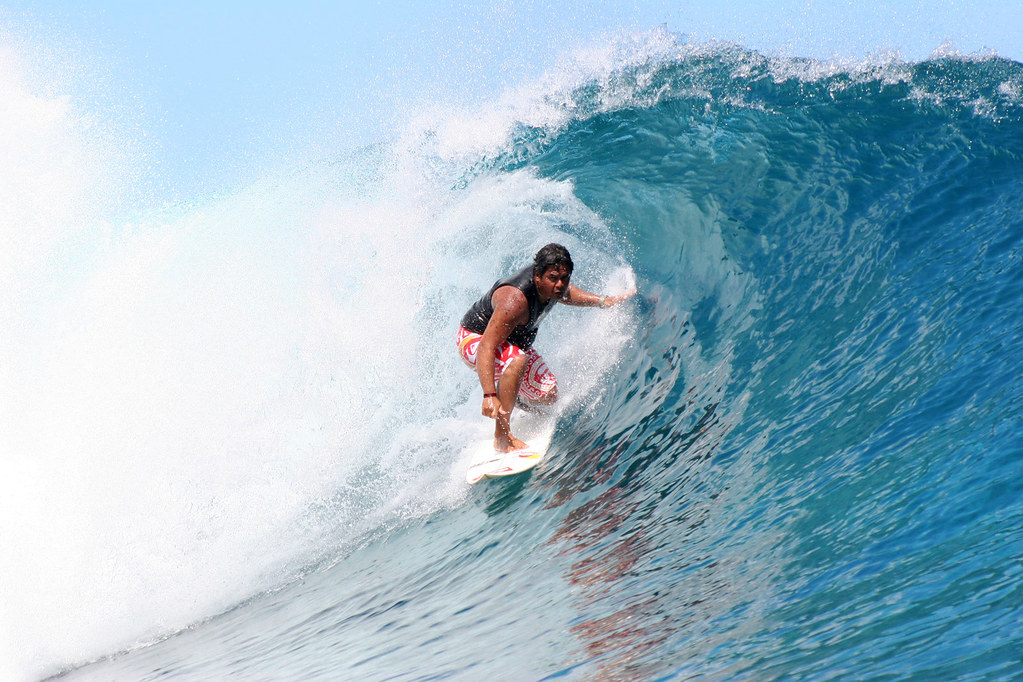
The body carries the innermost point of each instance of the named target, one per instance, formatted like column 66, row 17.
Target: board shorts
column 537, row 381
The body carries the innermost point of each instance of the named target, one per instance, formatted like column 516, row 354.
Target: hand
column 609, row 301
column 492, row 407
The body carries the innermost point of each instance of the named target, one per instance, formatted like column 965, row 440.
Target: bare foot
column 509, row 444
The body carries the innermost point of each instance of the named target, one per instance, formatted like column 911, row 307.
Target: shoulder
column 510, row 300
column 508, row 295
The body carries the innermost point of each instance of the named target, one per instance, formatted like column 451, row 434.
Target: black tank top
column 477, row 317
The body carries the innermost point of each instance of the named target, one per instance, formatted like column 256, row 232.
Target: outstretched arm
column 578, row 297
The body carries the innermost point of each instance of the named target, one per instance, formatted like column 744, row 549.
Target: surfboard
column 486, row 463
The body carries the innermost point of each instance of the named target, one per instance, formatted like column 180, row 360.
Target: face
column 553, row 283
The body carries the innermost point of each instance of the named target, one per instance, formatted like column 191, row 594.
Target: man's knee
column 550, row 397
column 530, row 399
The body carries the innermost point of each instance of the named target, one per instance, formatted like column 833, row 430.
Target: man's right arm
column 510, row 310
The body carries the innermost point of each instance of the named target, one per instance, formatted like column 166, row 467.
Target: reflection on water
column 633, row 588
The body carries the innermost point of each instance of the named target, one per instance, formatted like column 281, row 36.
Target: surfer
column 503, row 325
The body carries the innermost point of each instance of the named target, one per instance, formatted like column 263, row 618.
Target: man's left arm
column 578, row 297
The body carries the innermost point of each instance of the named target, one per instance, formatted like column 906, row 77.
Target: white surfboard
column 534, row 429
column 486, row 463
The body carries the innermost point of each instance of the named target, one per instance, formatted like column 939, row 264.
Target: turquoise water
column 796, row 454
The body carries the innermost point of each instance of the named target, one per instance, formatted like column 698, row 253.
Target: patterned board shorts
column 537, row 382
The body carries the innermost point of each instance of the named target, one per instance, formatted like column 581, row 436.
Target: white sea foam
column 201, row 400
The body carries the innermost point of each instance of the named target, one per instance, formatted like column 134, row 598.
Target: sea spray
column 206, row 398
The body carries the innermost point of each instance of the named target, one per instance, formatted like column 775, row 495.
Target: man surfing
column 503, row 324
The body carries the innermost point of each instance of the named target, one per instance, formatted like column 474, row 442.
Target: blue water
column 796, row 454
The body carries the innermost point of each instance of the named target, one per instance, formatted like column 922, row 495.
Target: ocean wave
column 792, row 454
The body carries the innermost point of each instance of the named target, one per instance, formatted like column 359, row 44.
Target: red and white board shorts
column 537, row 382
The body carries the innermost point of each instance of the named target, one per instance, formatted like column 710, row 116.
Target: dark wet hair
column 550, row 256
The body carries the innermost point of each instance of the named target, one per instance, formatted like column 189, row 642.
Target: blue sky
column 217, row 84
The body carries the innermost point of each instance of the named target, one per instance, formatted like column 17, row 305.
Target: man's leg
column 510, row 369
column 533, row 405
column 539, row 386
column 507, row 391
